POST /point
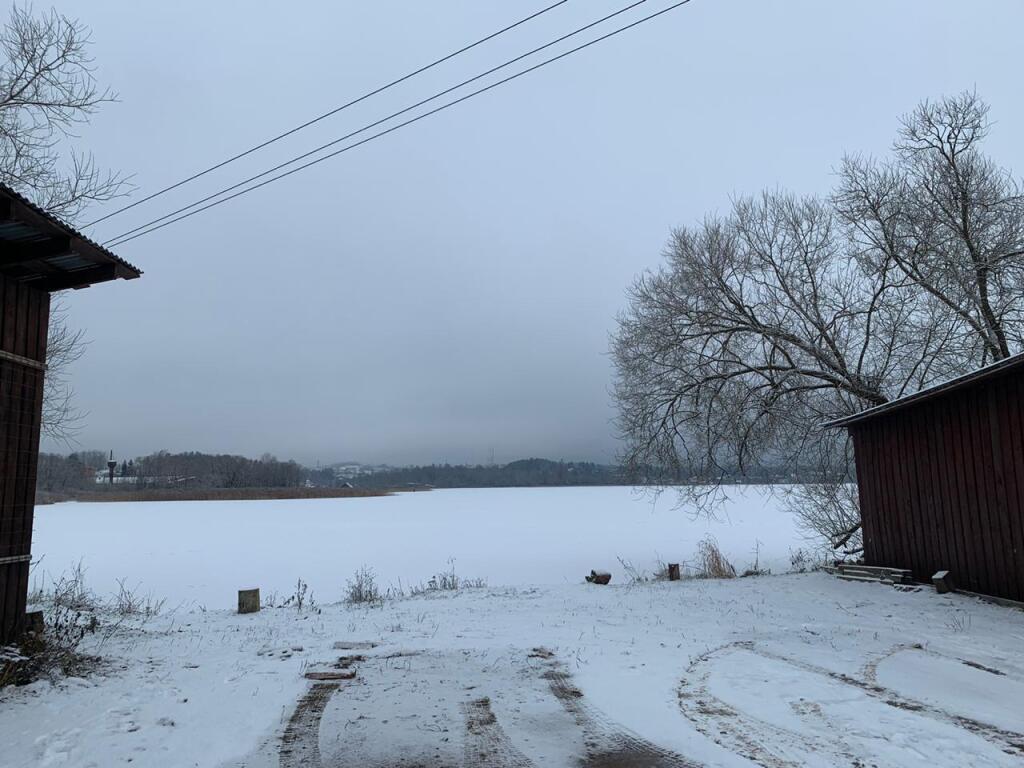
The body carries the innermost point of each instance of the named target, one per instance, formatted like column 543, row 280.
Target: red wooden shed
column 940, row 475
column 39, row 254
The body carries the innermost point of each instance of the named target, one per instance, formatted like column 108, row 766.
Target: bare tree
column 64, row 345
column 947, row 219
column 47, row 90
column 789, row 312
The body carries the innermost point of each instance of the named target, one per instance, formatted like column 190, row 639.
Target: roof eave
column 989, row 371
column 38, row 264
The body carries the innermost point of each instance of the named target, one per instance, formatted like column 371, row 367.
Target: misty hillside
column 521, row 473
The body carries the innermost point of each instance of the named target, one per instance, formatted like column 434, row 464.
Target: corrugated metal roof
column 66, row 258
column 997, row 368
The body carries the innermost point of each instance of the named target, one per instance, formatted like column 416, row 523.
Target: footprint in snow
column 122, row 721
column 55, row 748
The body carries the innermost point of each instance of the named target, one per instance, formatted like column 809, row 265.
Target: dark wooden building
column 941, row 480
column 38, row 255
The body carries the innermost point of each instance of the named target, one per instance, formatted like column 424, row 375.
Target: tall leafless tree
column 788, row 312
column 47, row 91
column 61, row 419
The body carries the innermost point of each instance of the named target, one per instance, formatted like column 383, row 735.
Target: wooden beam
column 78, row 279
column 21, row 253
column 10, row 357
column 14, row 210
column 10, row 560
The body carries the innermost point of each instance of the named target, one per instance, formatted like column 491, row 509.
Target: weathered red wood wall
column 24, row 313
column 942, row 486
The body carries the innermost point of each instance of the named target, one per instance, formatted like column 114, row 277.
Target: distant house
column 102, row 476
column 941, row 480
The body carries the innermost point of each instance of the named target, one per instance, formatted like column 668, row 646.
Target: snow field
column 202, row 553
column 800, row 669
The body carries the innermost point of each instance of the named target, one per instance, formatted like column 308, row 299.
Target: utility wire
column 334, row 111
column 416, row 119
column 376, row 123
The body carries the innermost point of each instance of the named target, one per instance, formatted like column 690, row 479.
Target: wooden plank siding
column 39, row 254
column 23, row 323
column 941, row 484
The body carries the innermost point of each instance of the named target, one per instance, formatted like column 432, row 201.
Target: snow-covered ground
column 202, row 553
column 778, row 671
column 788, row 670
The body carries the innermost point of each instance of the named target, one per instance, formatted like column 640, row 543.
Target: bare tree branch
column 789, row 312
column 61, row 420
column 47, row 90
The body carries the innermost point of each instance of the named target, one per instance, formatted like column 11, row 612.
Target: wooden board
column 941, row 484
column 24, row 314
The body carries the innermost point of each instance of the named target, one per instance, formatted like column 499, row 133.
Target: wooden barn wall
column 24, row 313
column 942, row 487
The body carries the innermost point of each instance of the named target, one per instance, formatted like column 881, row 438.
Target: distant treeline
column 78, row 471
column 87, row 472
column 543, row 472
column 522, row 473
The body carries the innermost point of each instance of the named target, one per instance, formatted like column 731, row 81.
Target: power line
column 334, row 111
column 322, row 147
column 411, row 121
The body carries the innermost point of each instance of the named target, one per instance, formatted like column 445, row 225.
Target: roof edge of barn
column 981, row 374
column 42, row 251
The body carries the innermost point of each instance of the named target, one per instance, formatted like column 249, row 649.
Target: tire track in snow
column 300, row 744
column 734, row 731
column 870, row 670
column 487, row 745
column 608, row 744
column 1010, row 742
column 744, row 735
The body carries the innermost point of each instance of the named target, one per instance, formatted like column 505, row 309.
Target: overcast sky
column 448, row 291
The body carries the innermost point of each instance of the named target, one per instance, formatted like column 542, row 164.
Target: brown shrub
column 711, row 563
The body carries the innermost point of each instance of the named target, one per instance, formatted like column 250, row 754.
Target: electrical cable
column 332, row 112
column 114, row 240
column 122, row 240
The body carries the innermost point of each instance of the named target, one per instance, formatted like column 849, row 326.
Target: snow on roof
column 991, row 370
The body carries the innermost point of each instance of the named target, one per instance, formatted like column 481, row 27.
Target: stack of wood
column 857, row 572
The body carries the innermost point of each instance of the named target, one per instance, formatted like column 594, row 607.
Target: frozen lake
column 201, row 552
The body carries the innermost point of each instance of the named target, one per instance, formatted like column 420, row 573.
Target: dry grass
column 710, row 563
column 362, row 588
column 636, row 575
column 804, row 561
column 69, row 610
column 128, row 602
column 447, row 581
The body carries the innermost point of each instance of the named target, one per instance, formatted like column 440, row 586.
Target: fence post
column 248, row 600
